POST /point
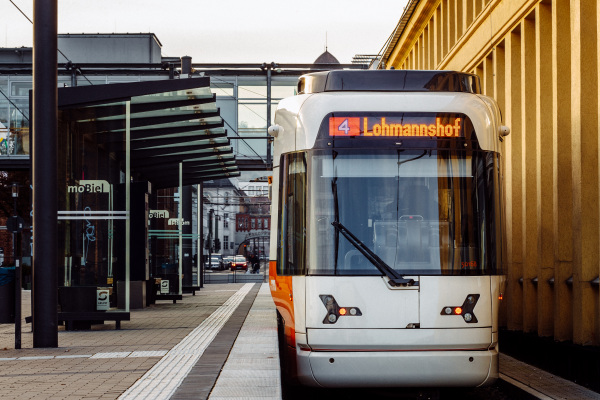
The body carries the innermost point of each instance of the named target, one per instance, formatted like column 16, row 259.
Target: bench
column 84, row 319
column 173, row 297
column 191, row 289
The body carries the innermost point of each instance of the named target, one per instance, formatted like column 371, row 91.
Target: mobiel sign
column 177, row 221
column 90, row 186
column 158, row 214
column 164, row 214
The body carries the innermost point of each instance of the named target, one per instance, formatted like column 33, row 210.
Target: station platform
column 219, row 344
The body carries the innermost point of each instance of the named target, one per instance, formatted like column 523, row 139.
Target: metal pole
column 268, row 114
column 127, row 204
column 15, row 194
column 180, row 217
column 201, row 234
column 186, row 229
column 210, row 235
column 45, row 243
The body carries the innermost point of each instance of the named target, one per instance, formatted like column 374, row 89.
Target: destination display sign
column 402, row 125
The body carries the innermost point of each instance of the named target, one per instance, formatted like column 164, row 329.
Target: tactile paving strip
column 161, row 381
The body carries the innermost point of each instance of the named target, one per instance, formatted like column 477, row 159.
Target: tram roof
column 389, row 81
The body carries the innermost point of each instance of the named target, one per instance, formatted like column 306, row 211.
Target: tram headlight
column 334, row 311
column 466, row 310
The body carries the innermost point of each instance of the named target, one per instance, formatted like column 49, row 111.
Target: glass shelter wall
column 164, row 241
column 93, row 198
column 14, row 115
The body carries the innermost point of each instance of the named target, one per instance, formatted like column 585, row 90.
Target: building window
column 226, row 220
column 20, row 89
column 253, row 223
column 232, row 245
column 260, row 223
column 225, row 242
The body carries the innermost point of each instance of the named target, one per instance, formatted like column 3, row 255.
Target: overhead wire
column 63, row 54
column 390, row 38
column 234, row 130
column 14, row 105
column 82, row 74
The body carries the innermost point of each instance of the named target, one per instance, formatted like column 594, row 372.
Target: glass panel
column 18, row 137
column 221, row 89
column 93, row 199
column 258, row 91
column 252, row 122
column 4, row 127
column 23, row 210
column 281, row 92
column 421, row 212
column 252, row 118
column 84, row 81
column 63, row 81
column 164, row 242
column 4, row 86
column 20, row 89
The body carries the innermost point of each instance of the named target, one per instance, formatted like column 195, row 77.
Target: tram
column 387, row 221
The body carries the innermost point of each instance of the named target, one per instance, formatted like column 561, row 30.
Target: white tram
column 387, row 223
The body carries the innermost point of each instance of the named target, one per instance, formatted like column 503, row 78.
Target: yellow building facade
column 539, row 60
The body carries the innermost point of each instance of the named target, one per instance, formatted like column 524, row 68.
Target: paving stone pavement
column 546, row 385
column 101, row 363
column 252, row 368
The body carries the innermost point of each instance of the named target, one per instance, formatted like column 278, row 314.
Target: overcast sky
column 218, row 31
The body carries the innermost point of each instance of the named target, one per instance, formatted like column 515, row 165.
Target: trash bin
column 7, row 295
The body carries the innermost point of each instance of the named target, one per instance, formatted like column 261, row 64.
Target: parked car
column 239, row 262
column 227, row 260
column 216, row 262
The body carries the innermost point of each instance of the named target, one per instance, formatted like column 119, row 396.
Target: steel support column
column 186, row 200
column 200, row 251
column 44, row 160
column 268, row 161
column 180, row 226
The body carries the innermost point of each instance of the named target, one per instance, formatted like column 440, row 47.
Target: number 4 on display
column 344, row 127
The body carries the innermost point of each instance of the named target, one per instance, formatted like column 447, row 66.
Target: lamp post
column 16, row 230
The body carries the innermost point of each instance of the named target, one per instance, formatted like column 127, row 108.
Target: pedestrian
column 255, row 264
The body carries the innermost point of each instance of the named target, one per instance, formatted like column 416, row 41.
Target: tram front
column 390, row 228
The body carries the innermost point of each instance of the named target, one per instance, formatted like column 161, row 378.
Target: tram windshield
column 422, row 212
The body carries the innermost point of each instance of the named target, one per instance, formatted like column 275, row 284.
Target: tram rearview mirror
column 275, row 130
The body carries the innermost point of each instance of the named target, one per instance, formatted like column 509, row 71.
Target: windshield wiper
column 395, row 278
column 337, row 218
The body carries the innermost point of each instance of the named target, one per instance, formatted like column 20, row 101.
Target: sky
column 225, row 31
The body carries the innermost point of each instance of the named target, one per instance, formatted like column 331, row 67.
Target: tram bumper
column 447, row 368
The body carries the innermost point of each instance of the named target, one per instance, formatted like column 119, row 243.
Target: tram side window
column 292, row 219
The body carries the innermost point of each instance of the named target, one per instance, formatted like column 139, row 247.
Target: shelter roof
column 169, row 122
